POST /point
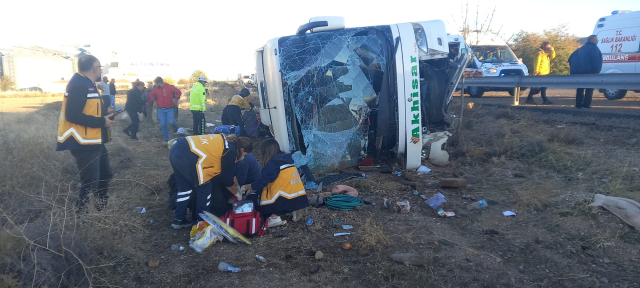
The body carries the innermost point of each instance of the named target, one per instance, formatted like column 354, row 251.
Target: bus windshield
column 494, row 54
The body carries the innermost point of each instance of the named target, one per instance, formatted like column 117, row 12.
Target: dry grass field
column 545, row 167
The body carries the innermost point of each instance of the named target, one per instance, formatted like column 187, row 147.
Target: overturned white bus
column 334, row 95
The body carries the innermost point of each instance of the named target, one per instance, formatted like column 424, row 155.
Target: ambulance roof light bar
column 615, row 12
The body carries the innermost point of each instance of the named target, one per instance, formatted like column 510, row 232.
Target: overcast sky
column 220, row 38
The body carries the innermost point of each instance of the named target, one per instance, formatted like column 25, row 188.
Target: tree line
column 525, row 45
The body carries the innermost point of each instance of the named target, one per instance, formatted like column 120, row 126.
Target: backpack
column 251, row 125
column 246, row 223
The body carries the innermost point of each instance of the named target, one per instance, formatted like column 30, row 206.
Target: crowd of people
column 210, row 170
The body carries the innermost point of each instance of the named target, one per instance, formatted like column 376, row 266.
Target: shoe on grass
column 125, row 131
column 179, row 224
column 275, row 222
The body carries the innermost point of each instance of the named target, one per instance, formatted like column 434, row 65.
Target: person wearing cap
column 232, row 114
column 198, row 106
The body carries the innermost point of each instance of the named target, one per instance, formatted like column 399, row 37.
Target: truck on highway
column 334, row 96
column 619, row 42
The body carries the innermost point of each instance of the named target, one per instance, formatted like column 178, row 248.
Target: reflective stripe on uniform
column 209, row 197
column 185, row 193
column 285, row 166
column 183, row 199
column 283, row 194
column 202, row 155
column 76, row 135
column 94, row 95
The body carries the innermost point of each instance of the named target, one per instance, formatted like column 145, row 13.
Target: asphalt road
column 564, row 102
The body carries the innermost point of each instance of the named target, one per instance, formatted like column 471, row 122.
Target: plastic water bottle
column 225, row 267
column 262, row 259
column 477, row 205
column 176, row 247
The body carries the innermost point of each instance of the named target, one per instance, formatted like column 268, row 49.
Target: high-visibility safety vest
column 288, row 185
column 198, row 98
column 210, row 148
column 72, row 135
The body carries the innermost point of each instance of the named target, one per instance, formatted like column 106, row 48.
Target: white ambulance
column 491, row 57
column 334, row 96
column 619, row 42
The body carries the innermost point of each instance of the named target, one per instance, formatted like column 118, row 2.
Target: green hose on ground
column 343, row 202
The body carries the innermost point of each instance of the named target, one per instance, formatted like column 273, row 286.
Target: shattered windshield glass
column 331, row 82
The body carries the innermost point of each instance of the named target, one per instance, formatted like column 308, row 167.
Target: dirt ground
column 545, row 167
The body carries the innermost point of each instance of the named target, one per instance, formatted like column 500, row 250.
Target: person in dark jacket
column 586, row 60
column 204, row 166
column 247, row 165
column 112, row 92
column 232, row 114
column 280, row 189
column 148, row 110
column 83, row 129
column 134, row 105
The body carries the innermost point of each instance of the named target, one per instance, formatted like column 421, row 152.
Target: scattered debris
column 477, row 205
column 633, row 141
column 508, row 213
column 404, row 206
column 519, row 175
column 436, row 201
column 604, row 181
column 347, row 227
column 347, row 246
column 154, row 262
column 385, row 203
column 261, row 259
column 415, row 193
column 423, row 170
column 626, row 209
column 469, row 176
column 398, row 173
column 437, row 155
column 336, row 223
column 309, row 221
column 443, row 213
column 316, row 201
column 176, row 247
column 225, row 267
column 453, row 182
column 339, row 189
column 409, row 259
column 141, row 210
column 469, row 197
column 340, row 234
column 319, row 255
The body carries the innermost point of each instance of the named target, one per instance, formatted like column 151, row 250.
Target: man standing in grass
column 198, row 106
column 165, row 93
column 112, row 92
column 83, row 129
column 104, row 91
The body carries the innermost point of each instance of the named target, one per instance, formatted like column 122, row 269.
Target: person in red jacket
column 167, row 96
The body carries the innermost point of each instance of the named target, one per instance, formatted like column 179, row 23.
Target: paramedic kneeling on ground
column 281, row 190
column 204, row 167
column 232, row 114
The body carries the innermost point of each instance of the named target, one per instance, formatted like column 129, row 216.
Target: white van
column 619, row 42
column 491, row 57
